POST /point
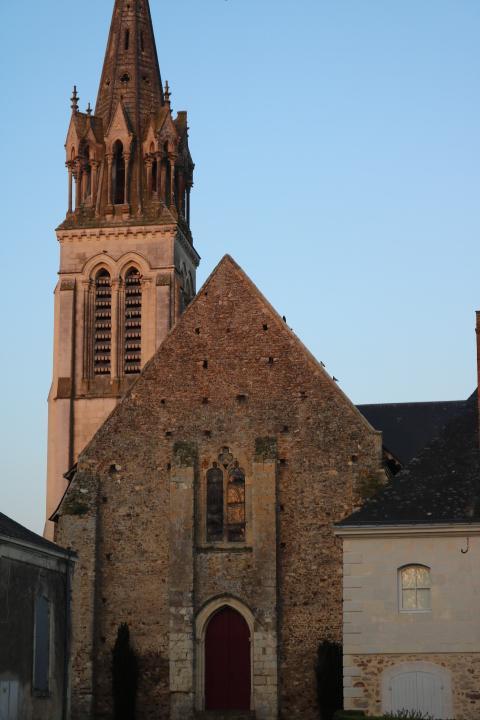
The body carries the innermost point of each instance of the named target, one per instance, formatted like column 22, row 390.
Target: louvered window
column 102, row 341
column 133, row 322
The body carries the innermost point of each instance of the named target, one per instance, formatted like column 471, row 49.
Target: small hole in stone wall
column 104, row 499
column 282, row 508
column 169, row 466
column 303, row 395
column 242, row 399
column 163, row 402
column 285, row 429
column 283, row 545
column 271, row 360
column 125, row 78
column 104, row 601
column 265, row 327
column 103, row 639
column 146, row 79
column 168, row 433
column 205, row 364
column 108, row 556
column 205, row 401
column 208, row 433
column 283, row 461
column 197, row 331
column 354, row 458
column 229, row 330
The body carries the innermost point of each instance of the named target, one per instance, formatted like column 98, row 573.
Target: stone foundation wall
column 363, row 680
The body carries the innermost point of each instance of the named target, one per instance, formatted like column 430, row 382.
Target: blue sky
column 337, row 145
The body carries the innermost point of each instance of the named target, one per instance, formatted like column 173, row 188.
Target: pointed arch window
column 214, row 504
column 133, row 322
column 118, row 174
column 225, row 502
column 102, row 335
column 88, row 173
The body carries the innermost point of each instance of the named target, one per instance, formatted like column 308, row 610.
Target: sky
column 337, row 148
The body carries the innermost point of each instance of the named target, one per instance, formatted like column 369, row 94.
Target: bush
column 329, row 670
column 124, row 675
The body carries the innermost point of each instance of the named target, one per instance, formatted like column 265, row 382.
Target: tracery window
column 102, row 335
column 415, row 588
column 214, row 504
column 133, row 322
column 225, row 507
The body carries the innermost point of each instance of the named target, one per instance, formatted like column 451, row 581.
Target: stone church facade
column 199, row 455
column 214, row 485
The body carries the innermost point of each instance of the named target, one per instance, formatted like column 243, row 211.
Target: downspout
column 67, row 641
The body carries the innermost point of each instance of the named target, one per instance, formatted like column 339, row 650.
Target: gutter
column 412, row 529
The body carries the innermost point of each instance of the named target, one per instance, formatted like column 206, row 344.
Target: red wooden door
column 227, row 662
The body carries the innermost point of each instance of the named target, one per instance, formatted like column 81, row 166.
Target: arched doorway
column 227, row 662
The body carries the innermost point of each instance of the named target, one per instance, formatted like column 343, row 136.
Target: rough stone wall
column 363, row 680
column 230, row 374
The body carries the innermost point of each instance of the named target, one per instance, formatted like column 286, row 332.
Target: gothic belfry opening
column 126, row 247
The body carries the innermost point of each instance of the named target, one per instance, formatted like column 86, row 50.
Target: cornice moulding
column 412, row 530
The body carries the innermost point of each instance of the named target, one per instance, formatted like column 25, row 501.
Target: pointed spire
column 89, row 109
column 74, row 99
column 131, row 66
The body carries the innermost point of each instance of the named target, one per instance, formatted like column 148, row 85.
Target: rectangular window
column 41, row 658
column 415, row 588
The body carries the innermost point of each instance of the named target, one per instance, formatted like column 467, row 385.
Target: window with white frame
column 415, row 588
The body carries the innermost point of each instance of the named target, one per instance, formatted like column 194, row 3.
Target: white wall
column 372, row 620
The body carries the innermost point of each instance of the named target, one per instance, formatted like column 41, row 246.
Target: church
column 200, row 458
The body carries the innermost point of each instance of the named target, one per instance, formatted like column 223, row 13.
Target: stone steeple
column 127, row 260
column 131, row 71
column 130, row 160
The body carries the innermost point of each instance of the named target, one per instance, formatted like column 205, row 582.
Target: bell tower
column 127, row 260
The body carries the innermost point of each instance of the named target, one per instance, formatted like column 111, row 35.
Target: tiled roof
column 15, row 531
column 408, row 427
column 441, row 485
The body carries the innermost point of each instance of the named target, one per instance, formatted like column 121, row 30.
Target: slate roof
column 408, row 427
column 441, row 485
column 15, row 531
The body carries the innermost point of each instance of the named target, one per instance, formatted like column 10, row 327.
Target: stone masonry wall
column 363, row 680
column 230, row 374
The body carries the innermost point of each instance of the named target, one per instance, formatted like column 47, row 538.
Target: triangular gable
column 228, row 267
column 228, row 301
column 120, row 124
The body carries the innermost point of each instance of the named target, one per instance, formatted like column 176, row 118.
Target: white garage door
column 9, row 700
column 424, row 688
